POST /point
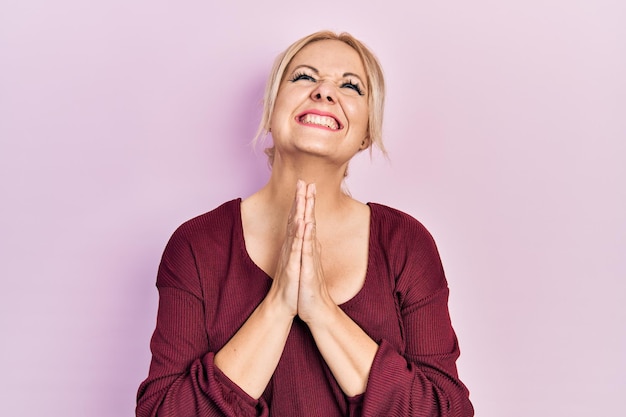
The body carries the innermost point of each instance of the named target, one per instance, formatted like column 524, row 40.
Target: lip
column 319, row 113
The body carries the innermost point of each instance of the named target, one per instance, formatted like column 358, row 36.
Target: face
column 322, row 103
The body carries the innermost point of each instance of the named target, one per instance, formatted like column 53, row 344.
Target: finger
column 293, row 246
column 309, row 211
column 297, row 208
column 290, row 258
column 311, row 265
column 300, row 199
column 308, row 248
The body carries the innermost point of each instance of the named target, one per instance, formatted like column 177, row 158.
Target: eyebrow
column 316, row 71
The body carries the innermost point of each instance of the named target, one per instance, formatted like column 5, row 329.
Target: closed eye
column 298, row 76
column 353, row 86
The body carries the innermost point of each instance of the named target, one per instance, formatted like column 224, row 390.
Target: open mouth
column 319, row 120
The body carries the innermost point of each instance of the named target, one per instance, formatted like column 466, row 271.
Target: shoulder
column 212, row 223
column 212, row 229
column 206, row 233
column 390, row 223
column 408, row 247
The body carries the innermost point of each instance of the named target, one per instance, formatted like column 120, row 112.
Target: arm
column 421, row 379
column 183, row 379
column 422, row 382
column 251, row 356
column 347, row 349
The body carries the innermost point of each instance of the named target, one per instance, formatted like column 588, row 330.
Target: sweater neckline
column 246, row 256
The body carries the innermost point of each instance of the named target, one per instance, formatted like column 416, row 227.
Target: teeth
column 315, row 119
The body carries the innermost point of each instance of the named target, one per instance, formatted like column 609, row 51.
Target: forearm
column 252, row 354
column 346, row 348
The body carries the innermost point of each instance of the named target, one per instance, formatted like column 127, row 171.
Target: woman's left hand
column 313, row 296
column 348, row 351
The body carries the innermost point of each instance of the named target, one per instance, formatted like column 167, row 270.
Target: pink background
column 506, row 125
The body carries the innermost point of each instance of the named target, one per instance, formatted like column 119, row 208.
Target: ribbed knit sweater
column 208, row 287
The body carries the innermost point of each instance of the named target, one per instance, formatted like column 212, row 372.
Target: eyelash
column 301, row 76
column 355, row 86
column 349, row 84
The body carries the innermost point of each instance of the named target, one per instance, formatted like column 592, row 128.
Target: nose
column 324, row 92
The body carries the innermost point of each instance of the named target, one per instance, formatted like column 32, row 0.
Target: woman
column 299, row 300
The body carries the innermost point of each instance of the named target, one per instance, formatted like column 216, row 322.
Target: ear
column 365, row 143
column 268, row 126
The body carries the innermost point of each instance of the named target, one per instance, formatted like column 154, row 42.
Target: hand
column 313, row 296
column 287, row 277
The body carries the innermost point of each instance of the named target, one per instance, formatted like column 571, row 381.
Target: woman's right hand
column 287, row 277
column 250, row 357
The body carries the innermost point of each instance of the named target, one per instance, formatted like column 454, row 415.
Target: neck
column 328, row 180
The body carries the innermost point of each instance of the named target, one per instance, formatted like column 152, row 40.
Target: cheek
column 282, row 106
column 360, row 114
column 277, row 111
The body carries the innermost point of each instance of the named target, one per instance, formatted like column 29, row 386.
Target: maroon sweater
column 208, row 286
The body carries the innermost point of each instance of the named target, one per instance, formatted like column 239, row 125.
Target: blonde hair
column 373, row 73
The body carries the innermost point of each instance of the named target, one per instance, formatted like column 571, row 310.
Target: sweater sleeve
column 422, row 379
column 183, row 380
